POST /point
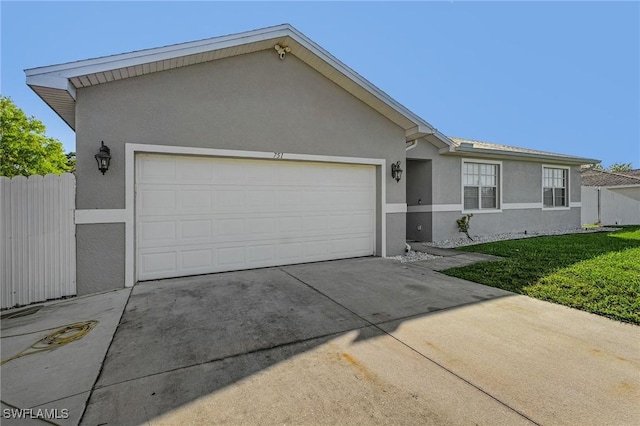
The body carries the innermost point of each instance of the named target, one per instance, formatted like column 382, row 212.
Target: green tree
column 615, row 167
column 24, row 147
column 620, row 167
column 71, row 161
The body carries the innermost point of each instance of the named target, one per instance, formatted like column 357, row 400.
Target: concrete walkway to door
column 368, row 341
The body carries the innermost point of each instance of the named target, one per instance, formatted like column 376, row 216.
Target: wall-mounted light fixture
column 282, row 50
column 396, row 171
column 103, row 157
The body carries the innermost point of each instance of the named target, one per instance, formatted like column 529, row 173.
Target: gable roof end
column 57, row 84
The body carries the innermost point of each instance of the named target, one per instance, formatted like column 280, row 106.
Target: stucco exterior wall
column 419, row 189
column 444, row 223
column 418, row 181
column 419, row 226
column 521, row 184
column 253, row 102
column 100, row 257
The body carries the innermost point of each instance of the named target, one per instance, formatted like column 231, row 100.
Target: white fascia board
column 419, row 131
column 53, row 82
column 559, row 159
column 106, row 63
column 427, row 132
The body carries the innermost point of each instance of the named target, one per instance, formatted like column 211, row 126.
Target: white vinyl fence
column 611, row 206
column 37, row 238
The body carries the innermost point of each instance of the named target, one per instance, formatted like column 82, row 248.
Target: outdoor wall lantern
column 396, row 171
column 103, row 157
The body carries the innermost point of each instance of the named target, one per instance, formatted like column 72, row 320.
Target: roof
column 57, row 84
column 594, row 177
column 498, row 150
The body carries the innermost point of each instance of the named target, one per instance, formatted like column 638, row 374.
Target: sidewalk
column 59, row 379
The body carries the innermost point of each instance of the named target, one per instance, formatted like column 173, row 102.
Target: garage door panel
column 230, row 227
column 350, row 245
column 262, row 174
column 229, row 200
column 262, row 200
column 196, row 169
column 197, row 259
column 161, row 232
column 290, row 251
column 228, row 173
column 158, row 233
column 289, row 225
column 153, row 199
column 316, row 250
column 196, row 199
column 199, row 215
column 261, row 253
column 289, row 200
column 158, row 264
column 231, row 256
column 262, row 226
column 156, row 168
column 196, row 230
column 315, row 224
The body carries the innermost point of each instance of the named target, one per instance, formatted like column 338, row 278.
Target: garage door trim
column 133, row 149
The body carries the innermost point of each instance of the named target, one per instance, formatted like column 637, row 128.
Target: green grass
column 598, row 273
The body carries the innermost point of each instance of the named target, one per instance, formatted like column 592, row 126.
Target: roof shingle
column 594, row 177
column 511, row 149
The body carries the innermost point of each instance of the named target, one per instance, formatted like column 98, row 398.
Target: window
column 554, row 187
column 480, row 183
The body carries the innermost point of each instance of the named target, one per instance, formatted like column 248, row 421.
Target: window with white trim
column 555, row 185
column 480, row 182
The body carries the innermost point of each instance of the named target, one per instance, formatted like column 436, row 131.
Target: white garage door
column 197, row 215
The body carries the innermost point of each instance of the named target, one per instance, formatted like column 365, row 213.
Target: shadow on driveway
column 313, row 343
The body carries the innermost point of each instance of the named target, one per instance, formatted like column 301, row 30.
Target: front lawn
column 598, row 272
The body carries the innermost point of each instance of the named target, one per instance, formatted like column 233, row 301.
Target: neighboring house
column 261, row 149
column 610, row 198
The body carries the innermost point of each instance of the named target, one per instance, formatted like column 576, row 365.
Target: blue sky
column 555, row 76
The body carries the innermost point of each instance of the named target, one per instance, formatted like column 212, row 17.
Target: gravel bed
column 413, row 256
column 459, row 242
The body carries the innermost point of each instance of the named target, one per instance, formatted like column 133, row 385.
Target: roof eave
column 493, row 153
column 57, row 78
column 613, row 186
column 58, row 93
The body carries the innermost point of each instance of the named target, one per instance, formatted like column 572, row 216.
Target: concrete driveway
column 356, row 342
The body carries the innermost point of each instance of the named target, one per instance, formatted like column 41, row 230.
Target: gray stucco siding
column 438, row 178
column 521, row 182
column 422, row 220
column 446, row 180
column 396, row 227
column 520, row 220
column 100, row 257
column 418, row 181
column 253, row 102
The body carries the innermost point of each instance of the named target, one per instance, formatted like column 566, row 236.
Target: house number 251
column 278, row 155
